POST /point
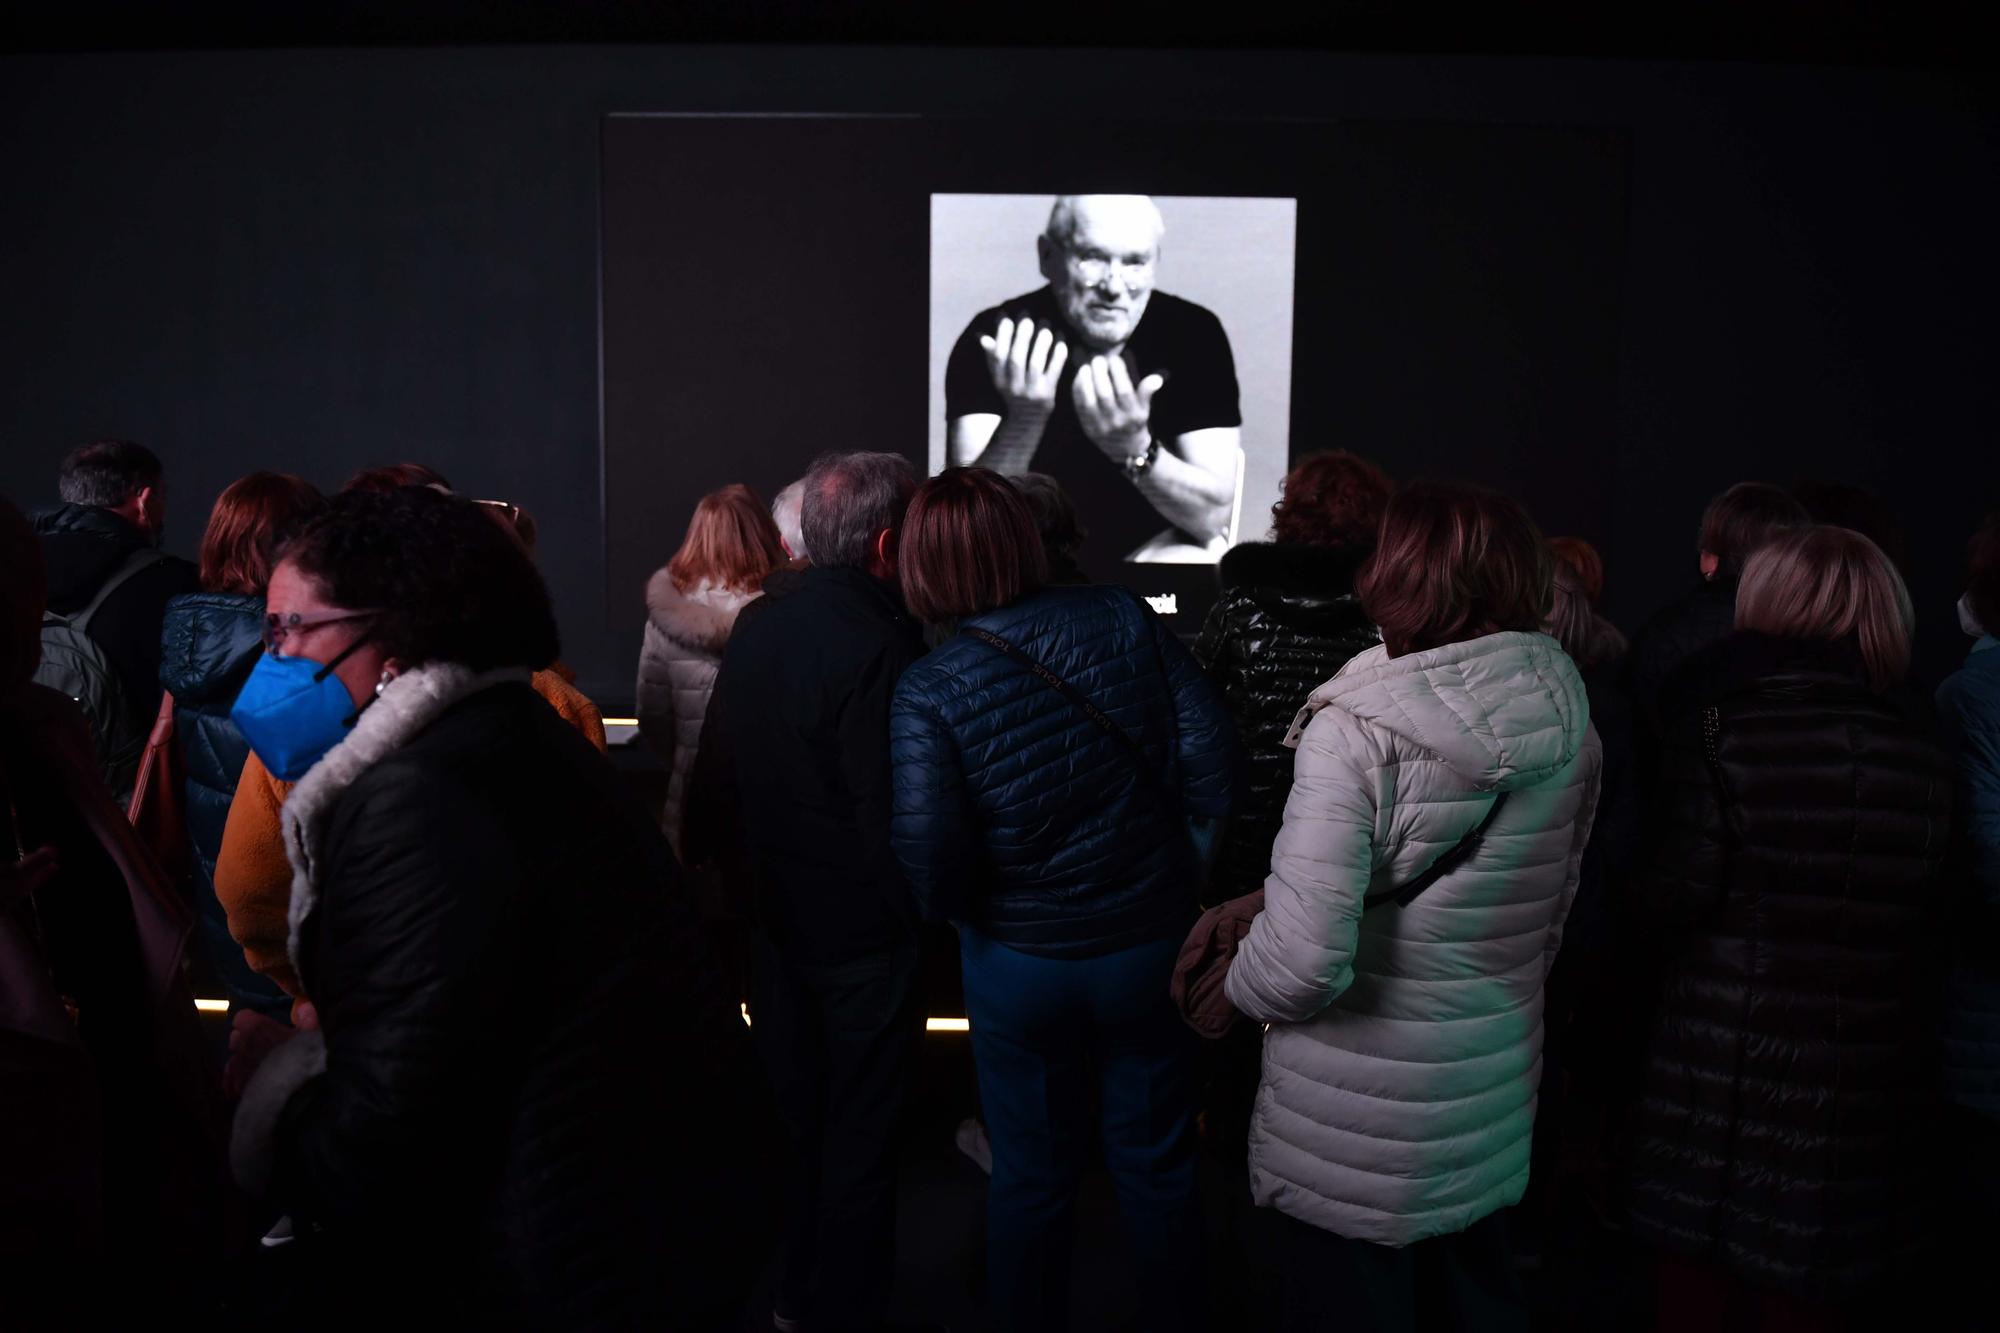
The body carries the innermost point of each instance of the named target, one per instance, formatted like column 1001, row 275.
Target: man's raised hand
column 1026, row 365
column 1116, row 414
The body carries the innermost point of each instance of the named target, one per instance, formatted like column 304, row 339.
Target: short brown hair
column 732, row 541
column 1982, row 575
column 1583, row 561
column 252, row 518
column 1832, row 584
column 1332, row 498
column 1454, row 563
column 1743, row 518
column 969, row 544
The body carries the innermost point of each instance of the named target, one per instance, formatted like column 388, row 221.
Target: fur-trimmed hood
column 407, row 705
column 700, row 620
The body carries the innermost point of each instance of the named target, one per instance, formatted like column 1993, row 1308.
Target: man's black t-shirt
column 1177, row 338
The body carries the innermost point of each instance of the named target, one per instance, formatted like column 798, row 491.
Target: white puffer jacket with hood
column 1404, row 1048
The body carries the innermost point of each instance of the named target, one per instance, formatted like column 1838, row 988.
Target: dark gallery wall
column 318, row 260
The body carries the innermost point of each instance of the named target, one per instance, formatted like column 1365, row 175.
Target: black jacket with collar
column 803, row 696
column 537, row 1087
column 1286, row 622
column 81, row 547
column 1792, row 1084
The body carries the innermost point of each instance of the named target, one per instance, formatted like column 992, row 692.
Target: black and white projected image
column 1149, row 372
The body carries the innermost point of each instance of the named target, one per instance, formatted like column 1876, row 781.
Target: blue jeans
column 1047, row 1033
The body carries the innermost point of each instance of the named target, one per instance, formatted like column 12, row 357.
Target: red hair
column 731, row 542
column 969, row 544
column 1452, row 564
column 1583, row 561
column 252, row 518
column 1332, row 499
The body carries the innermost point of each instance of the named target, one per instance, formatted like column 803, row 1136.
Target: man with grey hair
column 785, row 512
column 804, row 693
column 1126, row 395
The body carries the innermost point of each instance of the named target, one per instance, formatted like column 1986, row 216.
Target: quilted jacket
column 1791, row 1079
column 1286, row 621
column 1969, row 713
column 685, row 635
column 1404, row 1048
column 207, row 647
column 1018, row 815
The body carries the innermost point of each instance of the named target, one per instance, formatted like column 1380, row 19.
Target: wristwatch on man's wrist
column 1137, row 465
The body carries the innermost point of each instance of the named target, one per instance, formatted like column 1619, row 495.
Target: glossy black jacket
column 537, row 1090
column 1286, row 622
column 1792, row 1081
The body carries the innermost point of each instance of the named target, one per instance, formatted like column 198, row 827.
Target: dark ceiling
column 1918, row 33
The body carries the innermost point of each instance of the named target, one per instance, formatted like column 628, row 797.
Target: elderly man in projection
column 1124, row 393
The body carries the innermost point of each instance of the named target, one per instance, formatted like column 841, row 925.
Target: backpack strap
column 137, row 562
column 1444, row 865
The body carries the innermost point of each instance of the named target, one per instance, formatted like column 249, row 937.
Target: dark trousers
column 1047, row 1035
column 1459, row 1282
column 838, row 1042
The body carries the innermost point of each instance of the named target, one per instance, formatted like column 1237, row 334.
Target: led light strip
column 930, row 1024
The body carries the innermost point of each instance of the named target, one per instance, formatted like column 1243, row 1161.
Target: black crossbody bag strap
column 1444, row 865
column 1083, row 705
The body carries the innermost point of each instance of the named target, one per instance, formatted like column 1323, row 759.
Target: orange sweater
column 253, row 877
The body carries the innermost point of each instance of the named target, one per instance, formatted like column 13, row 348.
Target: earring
column 383, row 683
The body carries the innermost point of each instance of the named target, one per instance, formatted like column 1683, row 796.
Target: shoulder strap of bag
column 1444, row 865
column 1077, row 698
column 143, row 559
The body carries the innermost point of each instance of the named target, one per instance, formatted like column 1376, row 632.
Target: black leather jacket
column 1286, row 622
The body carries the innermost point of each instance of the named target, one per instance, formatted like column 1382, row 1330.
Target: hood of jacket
column 689, row 620
column 81, row 545
column 208, row 644
column 1502, row 711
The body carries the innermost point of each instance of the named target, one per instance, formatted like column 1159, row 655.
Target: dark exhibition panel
column 1609, row 287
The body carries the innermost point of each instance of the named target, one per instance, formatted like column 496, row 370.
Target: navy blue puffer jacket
column 208, row 644
column 1017, row 815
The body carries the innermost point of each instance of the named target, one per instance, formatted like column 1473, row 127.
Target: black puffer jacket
column 209, row 643
column 1287, row 621
column 536, row 1093
column 1792, row 1080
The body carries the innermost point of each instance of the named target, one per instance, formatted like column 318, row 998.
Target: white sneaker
column 280, row 1234
column 972, row 1141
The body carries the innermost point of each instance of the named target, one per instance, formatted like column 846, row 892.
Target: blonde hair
column 1830, row 583
column 731, row 542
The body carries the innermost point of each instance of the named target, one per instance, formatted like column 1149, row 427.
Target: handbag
column 159, row 798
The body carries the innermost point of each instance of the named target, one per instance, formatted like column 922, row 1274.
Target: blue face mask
column 292, row 710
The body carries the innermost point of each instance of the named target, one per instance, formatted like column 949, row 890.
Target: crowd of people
column 1409, row 899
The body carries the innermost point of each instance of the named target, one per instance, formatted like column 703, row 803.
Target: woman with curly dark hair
column 493, row 1118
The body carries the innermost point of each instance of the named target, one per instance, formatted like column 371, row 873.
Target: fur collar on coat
column 407, row 705
column 700, row 620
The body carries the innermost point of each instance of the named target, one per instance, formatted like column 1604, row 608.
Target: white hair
column 787, row 511
column 1062, row 215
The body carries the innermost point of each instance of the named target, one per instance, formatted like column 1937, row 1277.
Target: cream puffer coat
column 685, row 635
column 1404, row 1049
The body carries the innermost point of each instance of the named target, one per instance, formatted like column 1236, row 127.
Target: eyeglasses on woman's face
column 278, row 629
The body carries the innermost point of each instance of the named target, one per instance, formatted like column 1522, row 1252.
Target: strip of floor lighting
column 930, row 1024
